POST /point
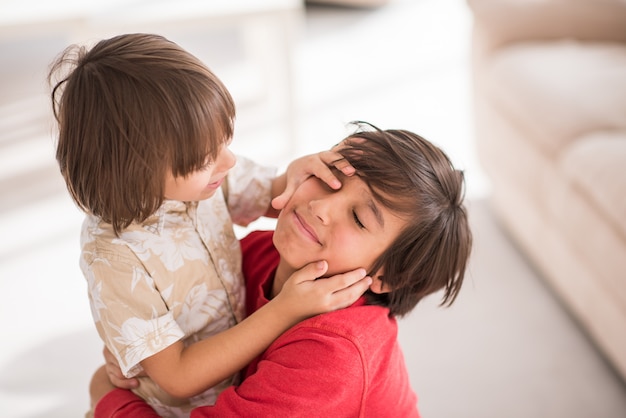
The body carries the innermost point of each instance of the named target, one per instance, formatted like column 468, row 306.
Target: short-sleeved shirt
column 175, row 276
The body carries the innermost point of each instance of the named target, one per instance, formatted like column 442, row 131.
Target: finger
column 353, row 291
column 348, row 295
column 327, row 176
column 310, row 272
column 278, row 202
column 339, row 146
column 108, row 356
column 346, row 288
column 117, row 378
column 281, row 200
column 330, row 157
column 345, row 167
column 335, row 159
column 114, row 371
column 342, row 281
column 333, row 285
column 347, row 142
column 124, row 383
column 115, row 375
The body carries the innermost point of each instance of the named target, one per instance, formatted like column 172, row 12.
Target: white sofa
column 549, row 82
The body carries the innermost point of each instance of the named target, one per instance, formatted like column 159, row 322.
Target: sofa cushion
column 512, row 21
column 595, row 165
column 557, row 91
column 588, row 203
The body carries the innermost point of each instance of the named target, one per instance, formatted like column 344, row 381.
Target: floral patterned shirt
column 175, row 276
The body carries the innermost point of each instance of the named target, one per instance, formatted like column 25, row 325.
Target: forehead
column 356, row 186
column 353, row 185
column 360, row 192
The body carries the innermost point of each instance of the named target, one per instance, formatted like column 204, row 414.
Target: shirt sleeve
column 248, row 190
column 308, row 369
column 120, row 403
column 129, row 312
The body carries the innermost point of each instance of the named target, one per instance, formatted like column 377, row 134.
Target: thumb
column 281, row 200
column 310, row 272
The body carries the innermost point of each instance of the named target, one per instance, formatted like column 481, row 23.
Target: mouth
column 306, row 229
column 215, row 184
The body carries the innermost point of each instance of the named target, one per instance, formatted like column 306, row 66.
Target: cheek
column 226, row 160
column 288, row 252
column 349, row 253
column 201, row 180
column 193, row 187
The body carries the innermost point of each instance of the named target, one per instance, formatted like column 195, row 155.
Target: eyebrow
column 377, row 213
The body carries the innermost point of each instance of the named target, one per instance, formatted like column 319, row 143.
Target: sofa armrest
column 507, row 21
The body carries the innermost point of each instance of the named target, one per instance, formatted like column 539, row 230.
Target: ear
column 378, row 286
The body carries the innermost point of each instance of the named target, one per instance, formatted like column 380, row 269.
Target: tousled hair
column 130, row 110
column 416, row 180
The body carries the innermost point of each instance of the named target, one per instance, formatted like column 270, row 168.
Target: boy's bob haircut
column 416, row 180
column 130, row 110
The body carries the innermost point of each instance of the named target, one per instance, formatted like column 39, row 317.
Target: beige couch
column 550, row 116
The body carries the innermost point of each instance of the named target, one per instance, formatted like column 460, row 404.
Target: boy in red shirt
column 401, row 217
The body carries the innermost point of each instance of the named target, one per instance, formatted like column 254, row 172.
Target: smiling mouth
column 306, row 229
column 215, row 184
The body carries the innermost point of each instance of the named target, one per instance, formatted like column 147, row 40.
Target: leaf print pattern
column 95, row 298
column 202, row 307
column 174, row 247
column 145, row 338
column 140, row 275
column 177, row 276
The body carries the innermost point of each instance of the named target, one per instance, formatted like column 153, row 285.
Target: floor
column 506, row 348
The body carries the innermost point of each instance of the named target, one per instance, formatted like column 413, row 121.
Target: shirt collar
column 155, row 222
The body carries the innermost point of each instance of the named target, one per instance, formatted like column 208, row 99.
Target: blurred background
column 299, row 72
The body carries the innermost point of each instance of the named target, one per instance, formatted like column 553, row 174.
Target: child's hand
column 114, row 372
column 99, row 386
column 318, row 165
column 303, row 296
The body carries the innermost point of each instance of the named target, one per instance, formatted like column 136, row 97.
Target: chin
column 207, row 194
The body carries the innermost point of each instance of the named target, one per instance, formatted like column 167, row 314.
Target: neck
column 283, row 272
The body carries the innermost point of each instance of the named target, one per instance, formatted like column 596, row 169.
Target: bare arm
column 186, row 371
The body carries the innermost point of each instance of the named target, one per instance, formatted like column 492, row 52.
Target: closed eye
column 357, row 221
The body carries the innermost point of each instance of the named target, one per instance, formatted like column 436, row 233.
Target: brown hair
column 416, row 180
column 129, row 110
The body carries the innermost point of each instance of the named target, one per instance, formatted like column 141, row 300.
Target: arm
column 308, row 369
column 186, row 371
column 108, row 401
column 120, row 403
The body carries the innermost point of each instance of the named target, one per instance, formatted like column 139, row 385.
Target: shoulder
column 255, row 239
column 247, row 174
column 355, row 340
column 257, row 245
column 98, row 241
column 359, row 325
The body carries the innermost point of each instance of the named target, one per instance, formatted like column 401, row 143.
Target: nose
column 225, row 160
column 322, row 209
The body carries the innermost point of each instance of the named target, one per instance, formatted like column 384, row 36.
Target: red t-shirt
column 345, row 363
